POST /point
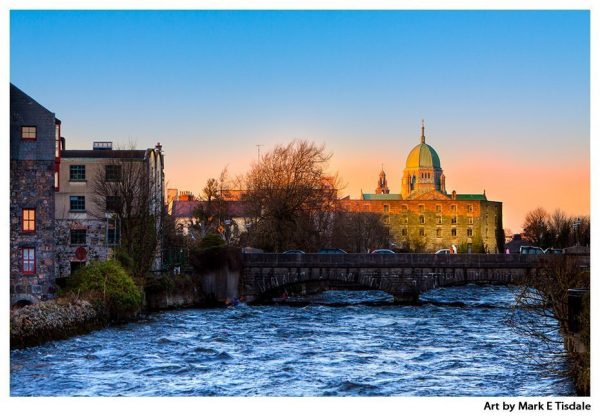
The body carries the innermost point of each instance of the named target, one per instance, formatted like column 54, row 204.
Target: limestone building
column 34, row 160
column 88, row 215
column 425, row 217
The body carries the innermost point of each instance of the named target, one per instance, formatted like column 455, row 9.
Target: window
column 438, row 232
column 486, row 232
column 404, row 208
column 470, row 208
column 421, row 232
column 367, row 207
column 113, row 203
column 386, row 209
column 28, row 220
column 404, row 232
column 386, row 219
column 421, row 219
column 421, row 208
column 113, row 173
column 113, row 232
column 77, row 173
column 29, row 133
column 77, row 203
column 28, row 260
column 453, row 220
column 470, row 220
column 78, row 236
column 453, row 232
column 453, row 207
column 438, row 219
column 469, row 232
column 405, row 220
column 438, row 208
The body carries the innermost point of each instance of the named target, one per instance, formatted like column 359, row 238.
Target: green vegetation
column 109, row 286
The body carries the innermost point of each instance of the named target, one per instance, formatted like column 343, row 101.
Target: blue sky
column 210, row 85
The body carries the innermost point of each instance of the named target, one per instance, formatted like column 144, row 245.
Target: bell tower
column 382, row 186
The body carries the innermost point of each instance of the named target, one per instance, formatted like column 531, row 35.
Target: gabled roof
column 381, row 197
column 185, row 209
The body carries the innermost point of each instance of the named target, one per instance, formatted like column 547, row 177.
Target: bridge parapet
column 404, row 276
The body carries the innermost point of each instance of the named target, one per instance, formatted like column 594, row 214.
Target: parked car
column 554, row 251
column 383, row 251
column 530, row 250
column 444, row 251
column 331, row 251
column 293, row 252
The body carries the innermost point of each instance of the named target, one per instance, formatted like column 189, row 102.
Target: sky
column 504, row 94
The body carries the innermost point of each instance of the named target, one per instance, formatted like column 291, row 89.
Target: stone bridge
column 404, row 276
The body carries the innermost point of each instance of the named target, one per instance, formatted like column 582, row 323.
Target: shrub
column 108, row 284
column 211, row 241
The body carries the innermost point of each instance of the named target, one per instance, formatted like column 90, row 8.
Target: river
column 331, row 344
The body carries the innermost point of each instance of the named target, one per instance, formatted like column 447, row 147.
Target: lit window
column 28, row 260
column 28, row 220
column 78, row 236
column 113, row 173
column 77, row 203
column 29, row 133
column 77, row 173
column 453, row 232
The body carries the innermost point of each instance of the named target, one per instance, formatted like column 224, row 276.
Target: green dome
column 423, row 156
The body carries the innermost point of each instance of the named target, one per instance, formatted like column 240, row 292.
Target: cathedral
column 425, row 217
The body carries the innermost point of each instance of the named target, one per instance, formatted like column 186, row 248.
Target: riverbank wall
column 69, row 316
column 53, row 320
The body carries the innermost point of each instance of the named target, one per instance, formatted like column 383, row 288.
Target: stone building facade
column 34, row 160
column 87, row 227
column 427, row 218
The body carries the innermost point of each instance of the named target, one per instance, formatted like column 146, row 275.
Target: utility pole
column 258, row 151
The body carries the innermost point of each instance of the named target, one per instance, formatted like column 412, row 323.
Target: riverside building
column 34, row 163
column 424, row 216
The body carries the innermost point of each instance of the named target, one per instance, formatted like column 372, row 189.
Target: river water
column 331, row 344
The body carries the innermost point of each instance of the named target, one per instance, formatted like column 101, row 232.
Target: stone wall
column 95, row 245
column 32, row 186
column 403, row 217
column 53, row 320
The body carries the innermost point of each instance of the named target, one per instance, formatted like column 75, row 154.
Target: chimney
column 102, row 146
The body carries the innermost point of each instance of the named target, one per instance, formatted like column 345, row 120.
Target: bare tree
column 359, row 232
column 122, row 194
column 542, row 312
column 535, row 227
column 290, row 198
